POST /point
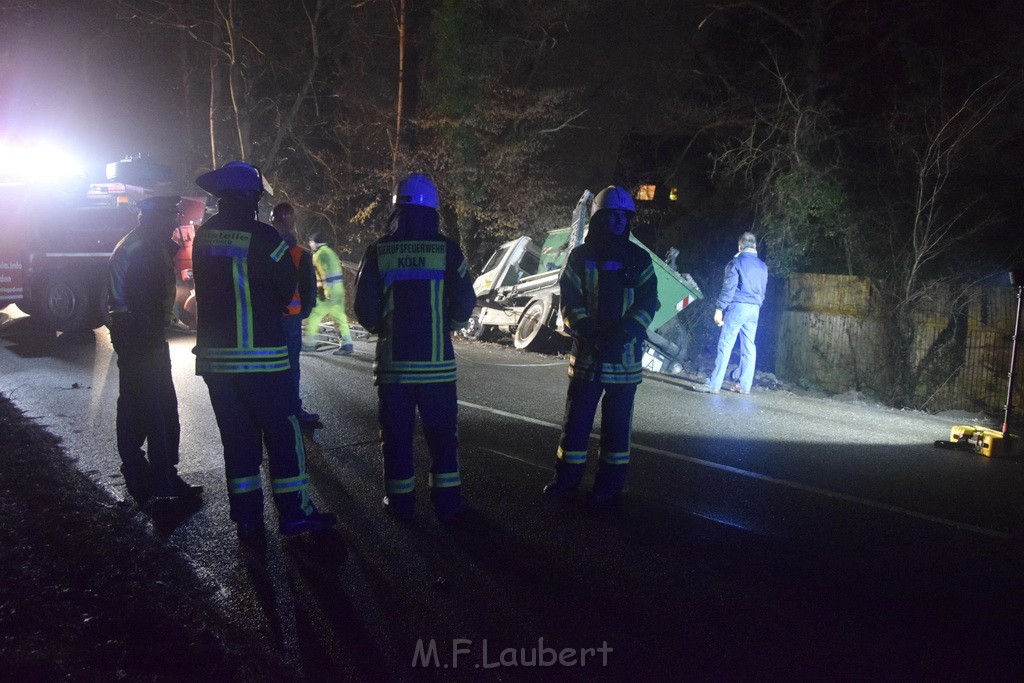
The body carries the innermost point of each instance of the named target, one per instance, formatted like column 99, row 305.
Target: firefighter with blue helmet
column 244, row 280
column 609, row 295
column 141, row 301
column 413, row 290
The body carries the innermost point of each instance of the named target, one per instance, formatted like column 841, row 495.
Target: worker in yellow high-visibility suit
column 330, row 297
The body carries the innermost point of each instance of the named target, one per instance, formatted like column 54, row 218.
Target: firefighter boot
column 401, row 506
column 312, row 524
column 449, row 505
column 567, row 480
column 608, row 484
column 252, row 535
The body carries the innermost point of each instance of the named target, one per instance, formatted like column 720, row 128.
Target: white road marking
column 827, row 493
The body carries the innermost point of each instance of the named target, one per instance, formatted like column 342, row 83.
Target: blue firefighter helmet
column 418, row 190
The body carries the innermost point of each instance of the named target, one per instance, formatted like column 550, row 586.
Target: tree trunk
column 396, row 145
column 307, row 85
column 213, row 107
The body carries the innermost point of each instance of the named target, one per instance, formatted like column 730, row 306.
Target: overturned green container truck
column 518, row 293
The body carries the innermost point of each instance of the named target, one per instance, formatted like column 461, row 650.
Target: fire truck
column 56, row 239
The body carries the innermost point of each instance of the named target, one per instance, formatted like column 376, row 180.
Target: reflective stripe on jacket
column 608, row 303
column 412, row 293
column 243, row 283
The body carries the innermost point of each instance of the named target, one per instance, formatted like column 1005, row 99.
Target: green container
column 675, row 292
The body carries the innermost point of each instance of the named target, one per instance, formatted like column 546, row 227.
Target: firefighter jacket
column 328, row 272
column 609, row 295
column 412, row 290
column 141, row 289
column 244, row 279
column 745, row 282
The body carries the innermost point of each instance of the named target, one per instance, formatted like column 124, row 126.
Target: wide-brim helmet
column 234, row 176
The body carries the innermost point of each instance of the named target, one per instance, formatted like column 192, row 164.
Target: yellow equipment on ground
column 991, row 443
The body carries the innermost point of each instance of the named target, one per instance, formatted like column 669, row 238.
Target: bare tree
column 789, row 158
column 927, row 218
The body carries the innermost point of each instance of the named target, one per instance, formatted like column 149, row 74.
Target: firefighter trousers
column 437, row 404
column 616, row 432
column 254, row 410
column 147, row 413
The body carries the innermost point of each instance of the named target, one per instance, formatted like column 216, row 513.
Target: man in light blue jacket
column 736, row 312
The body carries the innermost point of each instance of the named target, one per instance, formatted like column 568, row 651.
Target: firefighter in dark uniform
column 412, row 290
column 141, row 302
column 244, row 279
column 609, row 295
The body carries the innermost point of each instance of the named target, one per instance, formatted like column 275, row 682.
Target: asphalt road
column 764, row 536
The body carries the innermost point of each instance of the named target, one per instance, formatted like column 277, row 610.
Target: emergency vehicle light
column 37, row 163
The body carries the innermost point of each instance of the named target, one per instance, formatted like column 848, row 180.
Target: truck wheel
column 532, row 330
column 473, row 329
column 64, row 303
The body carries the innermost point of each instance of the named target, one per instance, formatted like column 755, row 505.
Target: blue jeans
column 740, row 320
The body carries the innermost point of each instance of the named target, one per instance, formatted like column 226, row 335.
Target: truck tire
column 473, row 329
column 65, row 303
column 532, row 331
